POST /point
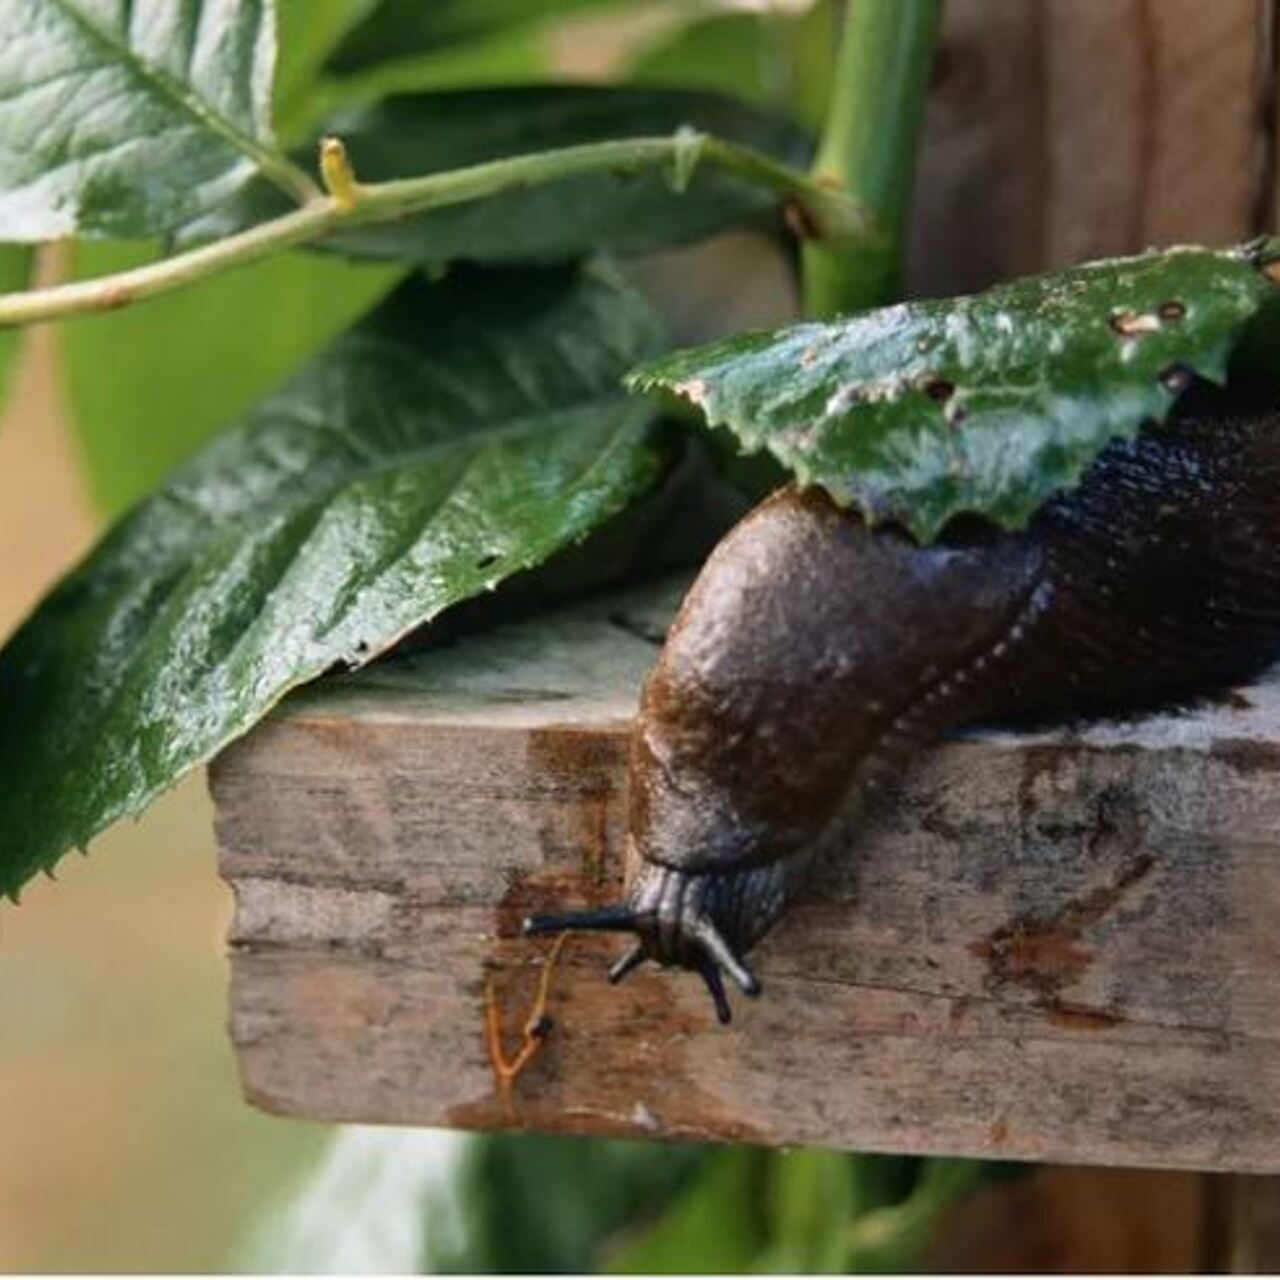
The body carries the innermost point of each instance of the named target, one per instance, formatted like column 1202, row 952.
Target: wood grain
column 1053, row 945
column 1063, row 130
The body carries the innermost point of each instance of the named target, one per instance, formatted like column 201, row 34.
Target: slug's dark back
column 815, row 655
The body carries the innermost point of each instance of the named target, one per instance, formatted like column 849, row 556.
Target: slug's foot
column 678, row 920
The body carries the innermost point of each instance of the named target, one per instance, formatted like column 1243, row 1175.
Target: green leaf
column 986, row 404
column 531, row 1204
column 714, row 1227
column 149, row 384
column 461, row 433
column 811, row 1206
column 15, row 274
column 780, row 61
column 131, row 119
column 892, row 1237
column 626, row 213
column 400, row 29
column 309, row 31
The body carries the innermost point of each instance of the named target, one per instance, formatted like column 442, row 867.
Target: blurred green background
column 126, row 1144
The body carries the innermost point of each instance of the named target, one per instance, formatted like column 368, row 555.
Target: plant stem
column 825, row 212
column 868, row 149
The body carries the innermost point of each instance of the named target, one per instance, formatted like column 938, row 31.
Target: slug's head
column 693, row 921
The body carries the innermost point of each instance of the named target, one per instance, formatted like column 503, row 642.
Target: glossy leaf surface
column 129, row 119
column 461, row 433
column 984, row 404
column 627, row 213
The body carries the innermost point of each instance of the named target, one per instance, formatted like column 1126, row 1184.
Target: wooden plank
column 1055, row 945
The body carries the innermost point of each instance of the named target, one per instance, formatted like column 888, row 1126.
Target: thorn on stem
column 689, row 145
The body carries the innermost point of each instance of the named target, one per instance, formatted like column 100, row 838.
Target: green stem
column 828, row 213
column 868, row 149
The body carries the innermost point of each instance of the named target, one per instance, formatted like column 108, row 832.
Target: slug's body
column 814, row 655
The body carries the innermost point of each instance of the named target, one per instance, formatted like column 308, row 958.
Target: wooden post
column 1063, row 130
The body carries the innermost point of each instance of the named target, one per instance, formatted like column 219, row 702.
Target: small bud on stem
column 338, row 176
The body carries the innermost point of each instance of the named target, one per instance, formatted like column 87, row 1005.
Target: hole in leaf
column 1175, row 379
column 486, row 561
column 1133, row 324
column 939, row 389
column 1173, row 310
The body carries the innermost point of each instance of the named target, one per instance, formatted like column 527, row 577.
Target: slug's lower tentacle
column 815, row 656
column 698, row 922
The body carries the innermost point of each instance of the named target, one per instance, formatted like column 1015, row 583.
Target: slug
column 815, row 654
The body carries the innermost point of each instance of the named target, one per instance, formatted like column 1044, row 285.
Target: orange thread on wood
column 537, row 1025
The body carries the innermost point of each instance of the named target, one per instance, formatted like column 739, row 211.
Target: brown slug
column 814, row 654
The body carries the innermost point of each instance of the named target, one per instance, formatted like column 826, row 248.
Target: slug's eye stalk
column 673, row 921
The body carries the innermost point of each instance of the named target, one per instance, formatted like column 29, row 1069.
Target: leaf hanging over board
column 986, row 404
column 462, row 432
column 131, row 119
column 626, row 213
